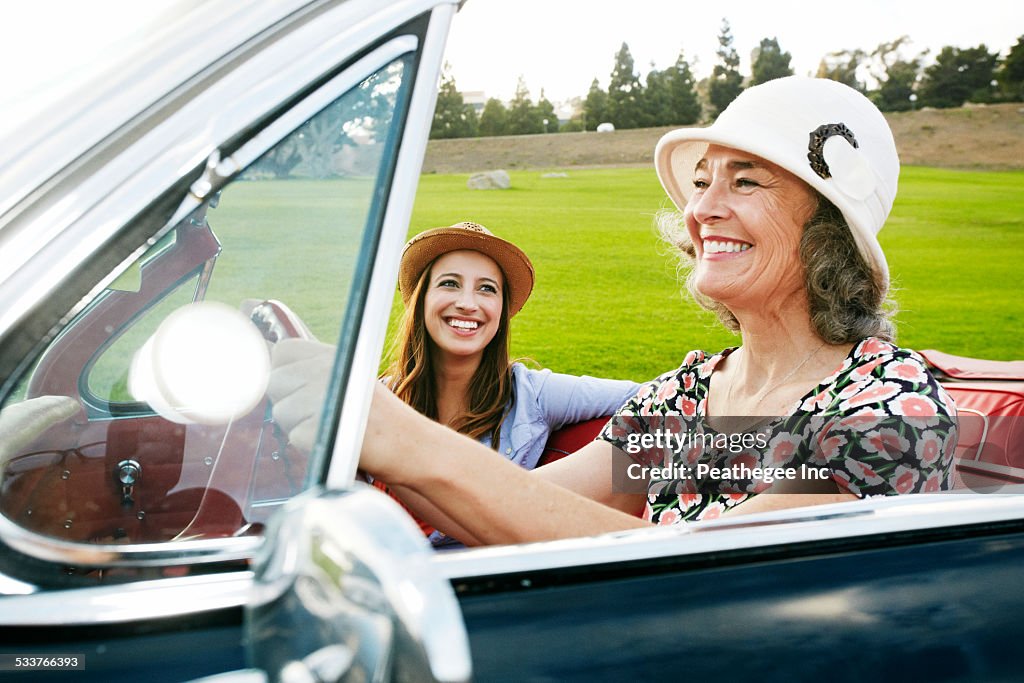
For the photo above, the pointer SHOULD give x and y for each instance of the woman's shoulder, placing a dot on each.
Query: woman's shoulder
(890, 379)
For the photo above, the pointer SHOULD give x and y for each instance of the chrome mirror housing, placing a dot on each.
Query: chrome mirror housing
(345, 591)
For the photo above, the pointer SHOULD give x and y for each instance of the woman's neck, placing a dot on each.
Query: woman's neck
(452, 376)
(772, 338)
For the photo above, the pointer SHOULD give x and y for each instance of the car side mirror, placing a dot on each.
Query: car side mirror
(345, 591)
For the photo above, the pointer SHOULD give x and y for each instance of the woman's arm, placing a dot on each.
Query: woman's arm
(491, 499)
(565, 399)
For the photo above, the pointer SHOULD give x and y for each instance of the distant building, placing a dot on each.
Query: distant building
(475, 99)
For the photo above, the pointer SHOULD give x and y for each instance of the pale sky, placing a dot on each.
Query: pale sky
(562, 45)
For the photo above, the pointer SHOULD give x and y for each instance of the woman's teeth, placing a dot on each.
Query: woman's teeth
(713, 247)
(464, 324)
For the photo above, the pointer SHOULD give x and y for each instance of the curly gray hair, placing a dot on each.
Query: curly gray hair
(846, 301)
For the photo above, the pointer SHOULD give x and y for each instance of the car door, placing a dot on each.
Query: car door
(260, 167)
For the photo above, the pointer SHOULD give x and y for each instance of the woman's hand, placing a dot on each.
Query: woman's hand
(300, 371)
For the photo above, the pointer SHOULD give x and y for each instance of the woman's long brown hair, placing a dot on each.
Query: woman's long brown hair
(411, 372)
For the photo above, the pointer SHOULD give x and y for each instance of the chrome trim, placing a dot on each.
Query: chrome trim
(370, 344)
(239, 676)
(345, 590)
(12, 586)
(129, 602)
(866, 517)
(984, 431)
(198, 551)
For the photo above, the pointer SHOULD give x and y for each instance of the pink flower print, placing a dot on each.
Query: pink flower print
(928, 448)
(687, 407)
(689, 500)
(862, 471)
(913, 405)
(783, 447)
(669, 516)
(842, 480)
(864, 371)
(909, 371)
(886, 442)
(668, 389)
(712, 511)
(831, 445)
(903, 479)
(875, 393)
(874, 347)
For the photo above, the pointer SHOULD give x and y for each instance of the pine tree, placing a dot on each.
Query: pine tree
(1011, 73)
(453, 118)
(523, 117)
(624, 91)
(958, 76)
(547, 115)
(684, 104)
(494, 118)
(656, 105)
(768, 62)
(726, 82)
(595, 107)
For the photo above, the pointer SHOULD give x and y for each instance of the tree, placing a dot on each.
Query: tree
(842, 66)
(726, 82)
(769, 62)
(958, 76)
(494, 118)
(523, 117)
(683, 102)
(547, 115)
(624, 92)
(453, 118)
(655, 106)
(896, 76)
(1011, 74)
(595, 107)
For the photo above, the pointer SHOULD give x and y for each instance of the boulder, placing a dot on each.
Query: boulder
(489, 180)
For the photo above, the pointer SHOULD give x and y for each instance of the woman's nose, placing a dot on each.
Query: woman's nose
(710, 205)
(466, 300)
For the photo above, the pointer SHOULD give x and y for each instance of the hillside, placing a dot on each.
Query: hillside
(978, 137)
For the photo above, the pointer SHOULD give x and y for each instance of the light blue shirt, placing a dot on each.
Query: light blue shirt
(544, 401)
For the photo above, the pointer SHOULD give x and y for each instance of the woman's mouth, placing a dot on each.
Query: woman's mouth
(462, 326)
(718, 246)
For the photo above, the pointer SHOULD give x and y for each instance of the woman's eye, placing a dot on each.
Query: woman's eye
(448, 283)
(490, 289)
(700, 184)
(747, 182)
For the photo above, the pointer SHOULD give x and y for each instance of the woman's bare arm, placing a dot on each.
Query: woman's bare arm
(491, 499)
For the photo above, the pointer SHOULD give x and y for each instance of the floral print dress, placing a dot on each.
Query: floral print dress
(880, 424)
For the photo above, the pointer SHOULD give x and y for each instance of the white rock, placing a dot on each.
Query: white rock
(489, 180)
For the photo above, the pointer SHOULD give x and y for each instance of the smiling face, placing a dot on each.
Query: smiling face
(745, 218)
(462, 305)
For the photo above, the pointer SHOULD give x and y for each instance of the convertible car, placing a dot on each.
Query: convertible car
(155, 522)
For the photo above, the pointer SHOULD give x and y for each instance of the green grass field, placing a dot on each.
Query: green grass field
(607, 300)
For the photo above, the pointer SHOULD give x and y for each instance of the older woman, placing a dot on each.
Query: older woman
(782, 199)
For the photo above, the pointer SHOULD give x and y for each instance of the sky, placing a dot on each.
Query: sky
(562, 45)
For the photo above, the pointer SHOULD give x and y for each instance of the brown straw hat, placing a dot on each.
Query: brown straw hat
(422, 249)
